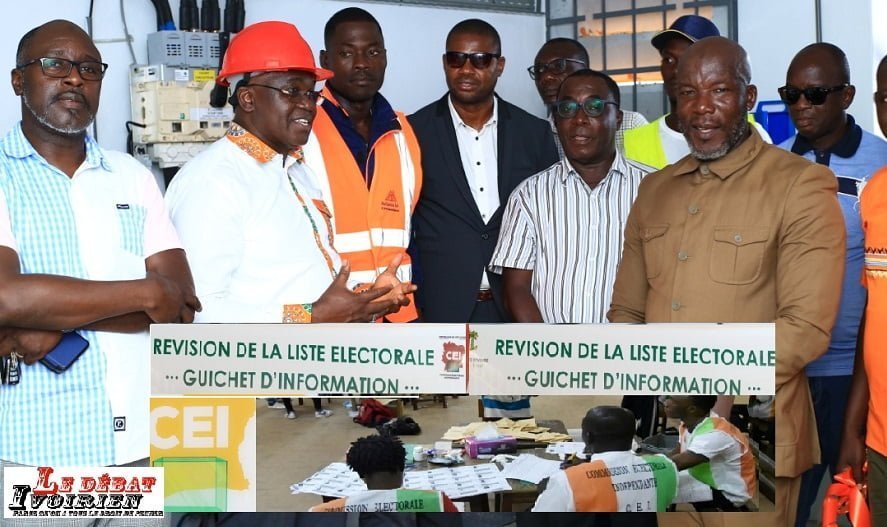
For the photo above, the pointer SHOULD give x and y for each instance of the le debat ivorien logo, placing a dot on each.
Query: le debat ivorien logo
(82, 494)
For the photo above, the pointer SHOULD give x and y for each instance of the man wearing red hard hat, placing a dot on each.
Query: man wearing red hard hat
(252, 221)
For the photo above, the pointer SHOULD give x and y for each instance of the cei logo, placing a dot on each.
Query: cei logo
(453, 357)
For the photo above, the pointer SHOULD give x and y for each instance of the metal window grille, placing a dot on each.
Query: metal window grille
(514, 6)
(617, 35)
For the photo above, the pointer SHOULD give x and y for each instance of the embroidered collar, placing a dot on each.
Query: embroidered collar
(255, 147)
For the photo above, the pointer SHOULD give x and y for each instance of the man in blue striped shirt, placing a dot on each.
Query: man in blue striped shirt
(85, 244)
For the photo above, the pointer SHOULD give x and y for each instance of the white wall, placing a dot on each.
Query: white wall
(414, 37)
(773, 31)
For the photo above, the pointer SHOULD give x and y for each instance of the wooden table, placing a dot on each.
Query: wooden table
(522, 492)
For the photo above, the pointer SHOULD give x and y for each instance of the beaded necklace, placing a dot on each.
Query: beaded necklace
(326, 256)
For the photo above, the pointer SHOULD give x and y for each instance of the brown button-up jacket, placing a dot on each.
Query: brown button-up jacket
(756, 236)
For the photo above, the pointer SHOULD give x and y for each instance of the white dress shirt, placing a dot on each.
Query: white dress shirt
(249, 240)
(479, 152)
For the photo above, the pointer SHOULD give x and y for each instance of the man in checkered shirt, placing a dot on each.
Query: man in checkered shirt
(86, 245)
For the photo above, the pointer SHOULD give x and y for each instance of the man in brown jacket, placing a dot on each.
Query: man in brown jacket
(738, 231)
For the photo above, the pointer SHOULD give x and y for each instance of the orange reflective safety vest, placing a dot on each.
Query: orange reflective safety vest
(371, 226)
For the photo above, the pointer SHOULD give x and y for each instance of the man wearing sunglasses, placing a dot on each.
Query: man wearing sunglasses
(739, 231)
(817, 93)
(248, 209)
(85, 245)
(551, 272)
(556, 59)
(364, 154)
(476, 148)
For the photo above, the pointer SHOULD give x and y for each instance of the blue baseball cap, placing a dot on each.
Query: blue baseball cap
(691, 27)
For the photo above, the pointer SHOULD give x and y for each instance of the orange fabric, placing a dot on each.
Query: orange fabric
(844, 497)
(358, 209)
(592, 494)
(873, 209)
(748, 467)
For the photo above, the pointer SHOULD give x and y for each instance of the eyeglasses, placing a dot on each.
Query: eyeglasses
(60, 68)
(291, 93)
(592, 106)
(556, 66)
(815, 95)
(481, 61)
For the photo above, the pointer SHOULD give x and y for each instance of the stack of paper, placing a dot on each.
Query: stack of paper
(525, 429)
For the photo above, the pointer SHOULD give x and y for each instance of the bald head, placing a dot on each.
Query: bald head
(829, 58)
(718, 50)
(714, 96)
(58, 100)
(608, 428)
(52, 27)
(820, 72)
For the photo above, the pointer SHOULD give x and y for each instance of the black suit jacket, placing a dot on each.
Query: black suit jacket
(451, 242)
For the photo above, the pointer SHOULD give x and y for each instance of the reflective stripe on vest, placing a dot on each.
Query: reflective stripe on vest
(642, 484)
(371, 226)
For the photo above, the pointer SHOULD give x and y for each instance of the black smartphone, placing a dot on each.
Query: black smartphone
(68, 350)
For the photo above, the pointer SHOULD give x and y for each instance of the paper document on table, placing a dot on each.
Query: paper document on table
(691, 490)
(566, 448)
(335, 479)
(528, 467)
(458, 482)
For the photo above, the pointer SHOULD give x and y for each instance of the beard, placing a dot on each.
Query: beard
(45, 121)
(736, 135)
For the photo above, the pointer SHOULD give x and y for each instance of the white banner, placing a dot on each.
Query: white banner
(307, 359)
(539, 359)
(94, 492)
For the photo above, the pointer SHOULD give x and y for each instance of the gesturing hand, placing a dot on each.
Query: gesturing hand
(399, 290)
(340, 304)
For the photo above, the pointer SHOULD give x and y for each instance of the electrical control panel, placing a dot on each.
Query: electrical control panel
(170, 106)
(194, 49)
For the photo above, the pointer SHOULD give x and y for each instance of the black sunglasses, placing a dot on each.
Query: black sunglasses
(815, 95)
(556, 66)
(481, 61)
(291, 93)
(59, 68)
(592, 106)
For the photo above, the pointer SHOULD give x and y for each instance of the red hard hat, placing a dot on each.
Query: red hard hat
(269, 46)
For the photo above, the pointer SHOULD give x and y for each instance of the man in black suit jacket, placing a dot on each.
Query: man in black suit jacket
(476, 148)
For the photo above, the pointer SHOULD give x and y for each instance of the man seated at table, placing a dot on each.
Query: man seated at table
(615, 479)
(713, 452)
(380, 462)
